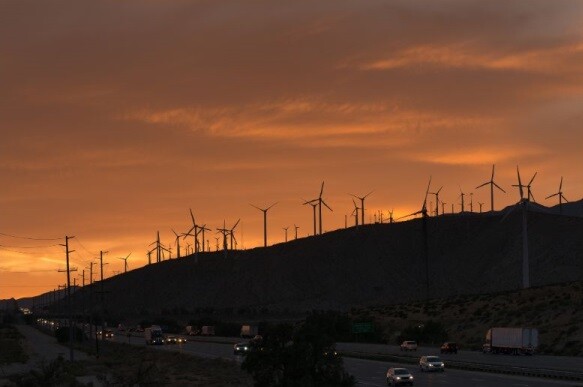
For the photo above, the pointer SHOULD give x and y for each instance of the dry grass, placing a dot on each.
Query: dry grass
(555, 310)
(128, 365)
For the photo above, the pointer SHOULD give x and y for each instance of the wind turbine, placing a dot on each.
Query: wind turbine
(462, 194)
(355, 213)
(481, 204)
(436, 200)
(361, 203)
(264, 210)
(232, 233)
(196, 230)
(314, 205)
(521, 187)
(560, 195)
(492, 185)
(443, 208)
(125, 261)
(391, 220)
(285, 229)
(177, 243)
(296, 229)
(523, 203)
(320, 202)
(225, 232)
(423, 212)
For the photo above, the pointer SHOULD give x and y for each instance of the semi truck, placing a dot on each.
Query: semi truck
(515, 341)
(249, 331)
(207, 330)
(153, 335)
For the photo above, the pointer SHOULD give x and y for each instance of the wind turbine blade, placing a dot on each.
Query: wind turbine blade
(252, 205)
(321, 190)
(530, 195)
(426, 193)
(550, 196)
(492, 179)
(497, 186)
(235, 224)
(367, 194)
(561, 184)
(174, 232)
(564, 198)
(128, 255)
(192, 216)
(412, 214)
(530, 182)
(481, 185)
(437, 193)
(519, 183)
(324, 203)
(353, 202)
(267, 209)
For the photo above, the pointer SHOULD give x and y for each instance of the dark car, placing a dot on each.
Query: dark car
(449, 347)
(243, 348)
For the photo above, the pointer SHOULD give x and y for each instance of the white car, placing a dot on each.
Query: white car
(431, 363)
(399, 376)
(409, 345)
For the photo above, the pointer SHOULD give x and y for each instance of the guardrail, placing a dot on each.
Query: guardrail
(472, 366)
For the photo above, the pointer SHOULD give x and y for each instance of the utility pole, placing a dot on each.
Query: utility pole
(71, 333)
(102, 295)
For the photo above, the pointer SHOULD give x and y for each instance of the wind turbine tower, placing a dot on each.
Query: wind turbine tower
(492, 185)
(264, 210)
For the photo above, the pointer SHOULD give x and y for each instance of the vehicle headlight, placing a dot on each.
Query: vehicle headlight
(398, 378)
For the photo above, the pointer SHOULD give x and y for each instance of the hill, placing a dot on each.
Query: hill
(377, 264)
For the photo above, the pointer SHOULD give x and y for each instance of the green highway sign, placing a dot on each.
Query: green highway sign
(363, 327)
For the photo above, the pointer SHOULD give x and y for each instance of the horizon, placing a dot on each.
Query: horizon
(118, 119)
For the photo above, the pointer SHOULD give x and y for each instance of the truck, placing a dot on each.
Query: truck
(249, 331)
(153, 335)
(207, 330)
(192, 331)
(515, 341)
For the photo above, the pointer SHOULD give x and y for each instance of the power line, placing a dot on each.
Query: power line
(29, 247)
(31, 238)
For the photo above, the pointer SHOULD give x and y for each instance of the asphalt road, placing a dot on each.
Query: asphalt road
(537, 361)
(372, 373)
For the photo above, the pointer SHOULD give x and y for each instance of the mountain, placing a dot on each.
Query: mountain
(376, 264)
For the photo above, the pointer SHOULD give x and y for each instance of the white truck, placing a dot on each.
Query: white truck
(249, 331)
(207, 330)
(153, 335)
(515, 341)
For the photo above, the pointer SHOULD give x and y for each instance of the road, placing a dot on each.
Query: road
(569, 363)
(372, 373)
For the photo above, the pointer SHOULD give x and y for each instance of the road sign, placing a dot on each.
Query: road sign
(363, 327)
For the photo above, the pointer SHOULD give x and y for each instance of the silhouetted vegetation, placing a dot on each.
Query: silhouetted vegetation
(300, 357)
(12, 351)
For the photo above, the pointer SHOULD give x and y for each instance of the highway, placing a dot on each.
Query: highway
(372, 373)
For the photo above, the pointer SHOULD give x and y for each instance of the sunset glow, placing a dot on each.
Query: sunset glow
(116, 118)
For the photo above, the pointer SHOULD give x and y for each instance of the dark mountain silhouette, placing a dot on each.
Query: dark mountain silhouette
(375, 264)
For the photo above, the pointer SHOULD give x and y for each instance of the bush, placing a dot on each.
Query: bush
(62, 334)
(304, 358)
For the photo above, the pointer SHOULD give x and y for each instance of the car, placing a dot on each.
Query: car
(409, 345)
(108, 334)
(399, 376)
(449, 347)
(431, 363)
(243, 348)
(174, 340)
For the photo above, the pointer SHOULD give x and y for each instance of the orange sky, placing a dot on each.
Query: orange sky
(116, 117)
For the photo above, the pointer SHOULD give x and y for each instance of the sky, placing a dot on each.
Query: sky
(117, 117)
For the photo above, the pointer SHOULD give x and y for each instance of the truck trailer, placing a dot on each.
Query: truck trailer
(153, 335)
(249, 331)
(515, 341)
